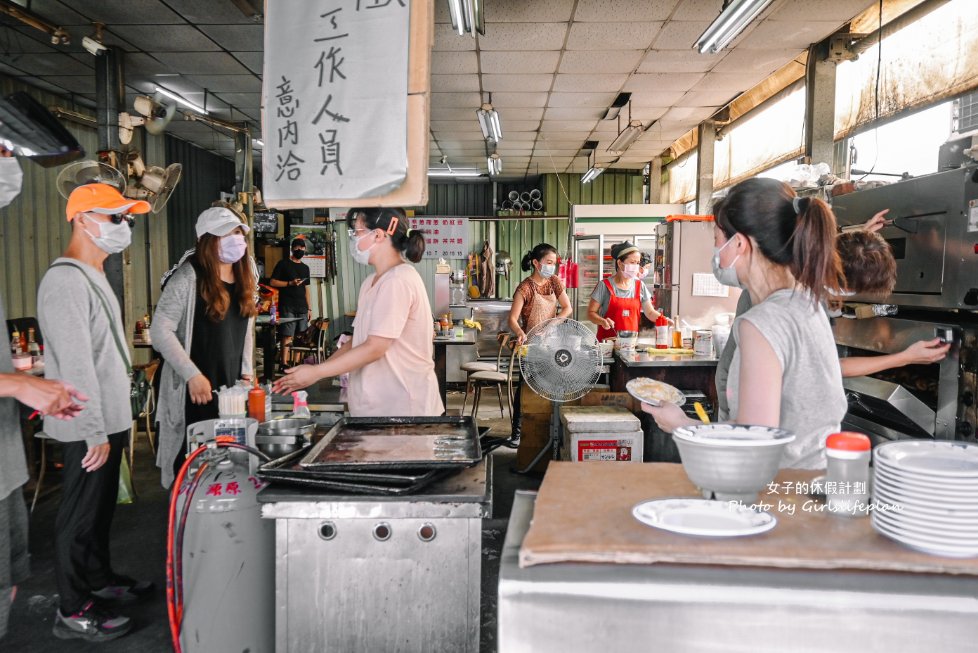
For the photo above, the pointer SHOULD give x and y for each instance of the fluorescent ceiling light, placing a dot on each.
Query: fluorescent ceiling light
(467, 16)
(736, 15)
(454, 172)
(593, 173)
(179, 100)
(489, 122)
(495, 164)
(626, 137)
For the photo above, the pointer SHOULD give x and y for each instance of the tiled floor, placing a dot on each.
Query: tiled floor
(139, 541)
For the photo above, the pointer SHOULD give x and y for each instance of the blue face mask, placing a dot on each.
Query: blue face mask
(547, 271)
(728, 275)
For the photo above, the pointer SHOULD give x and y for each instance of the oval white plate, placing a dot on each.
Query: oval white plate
(949, 459)
(946, 550)
(936, 486)
(703, 517)
(927, 532)
(673, 393)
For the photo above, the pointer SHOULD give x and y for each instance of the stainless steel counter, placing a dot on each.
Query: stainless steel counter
(712, 609)
(368, 573)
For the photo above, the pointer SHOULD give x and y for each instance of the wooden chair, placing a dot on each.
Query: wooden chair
(318, 350)
(485, 378)
(478, 366)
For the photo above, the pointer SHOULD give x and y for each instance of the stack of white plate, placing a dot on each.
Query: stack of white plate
(925, 495)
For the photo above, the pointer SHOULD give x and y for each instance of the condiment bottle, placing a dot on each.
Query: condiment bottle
(677, 334)
(300, 404)
(256, 402)
(32, 347)
(23, 342)
(661, 332)
(847, 475)
(15, 343)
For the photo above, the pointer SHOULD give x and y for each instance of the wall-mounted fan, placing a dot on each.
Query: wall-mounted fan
(80, 173)
(155, 115)
(151, 183)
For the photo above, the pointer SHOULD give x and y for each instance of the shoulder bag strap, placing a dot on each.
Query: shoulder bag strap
(105, 306)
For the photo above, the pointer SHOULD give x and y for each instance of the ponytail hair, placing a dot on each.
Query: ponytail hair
(410, 242)
(794, 232)
(536, 254)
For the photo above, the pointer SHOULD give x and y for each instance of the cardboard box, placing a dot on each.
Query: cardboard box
(620, 399)
(534, 436)
(532, 403)
(593, 447)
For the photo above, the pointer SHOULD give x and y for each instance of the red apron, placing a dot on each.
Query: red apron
(626, 313)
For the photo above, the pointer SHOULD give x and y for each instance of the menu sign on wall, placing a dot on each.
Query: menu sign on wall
(443, 237)
(335, 99)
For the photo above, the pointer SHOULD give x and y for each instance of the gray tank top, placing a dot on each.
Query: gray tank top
(813, 402)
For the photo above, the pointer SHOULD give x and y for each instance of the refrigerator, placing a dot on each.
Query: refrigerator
(597, 228)
(687, 286)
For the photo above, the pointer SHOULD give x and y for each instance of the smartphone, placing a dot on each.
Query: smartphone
(945, 334)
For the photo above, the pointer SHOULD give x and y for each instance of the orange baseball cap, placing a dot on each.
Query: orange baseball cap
(103, 199)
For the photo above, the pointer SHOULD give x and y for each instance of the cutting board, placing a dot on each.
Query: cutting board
(583, 513)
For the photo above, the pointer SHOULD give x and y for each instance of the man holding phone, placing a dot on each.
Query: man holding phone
(291, 277)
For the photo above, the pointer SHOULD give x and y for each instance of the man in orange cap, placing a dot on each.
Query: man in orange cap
(82, 325)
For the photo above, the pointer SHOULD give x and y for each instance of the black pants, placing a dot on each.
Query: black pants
(81, 538)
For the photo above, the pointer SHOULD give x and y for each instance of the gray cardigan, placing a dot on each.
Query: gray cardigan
(80, 349)
(171, 331)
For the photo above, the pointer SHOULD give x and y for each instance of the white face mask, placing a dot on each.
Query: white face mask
(547, 270)
(728, 275)
(630, 270)
(11, 178)
(644, 272)
(361, 256)
(114, 238)
(231, 248)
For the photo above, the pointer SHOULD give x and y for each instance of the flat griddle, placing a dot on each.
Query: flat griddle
(396, 443)
(287, 468)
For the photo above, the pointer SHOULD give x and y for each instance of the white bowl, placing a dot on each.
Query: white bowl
(731, 462)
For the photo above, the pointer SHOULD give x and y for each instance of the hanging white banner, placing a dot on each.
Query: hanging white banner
(334, 117)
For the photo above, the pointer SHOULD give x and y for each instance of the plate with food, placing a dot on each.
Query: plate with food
(654, 392)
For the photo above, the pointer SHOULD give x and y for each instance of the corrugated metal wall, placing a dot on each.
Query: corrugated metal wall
(612, 187)
(518, 236)
(205, 176)
(33, 229)
(465, 198)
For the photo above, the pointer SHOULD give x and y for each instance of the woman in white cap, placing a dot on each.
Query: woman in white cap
(203, 328)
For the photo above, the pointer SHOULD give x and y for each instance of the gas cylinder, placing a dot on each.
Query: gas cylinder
(228, 561)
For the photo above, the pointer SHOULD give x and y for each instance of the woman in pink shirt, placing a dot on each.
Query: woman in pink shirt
(390, 359)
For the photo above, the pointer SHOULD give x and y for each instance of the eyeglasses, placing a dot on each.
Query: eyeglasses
(355, 234)
(119, 218)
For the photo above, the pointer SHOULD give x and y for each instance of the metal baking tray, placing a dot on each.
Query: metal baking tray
(396, 443)
(359, 488)
(288, 468)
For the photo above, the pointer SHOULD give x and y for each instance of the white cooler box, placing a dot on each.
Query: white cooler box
(601, 433)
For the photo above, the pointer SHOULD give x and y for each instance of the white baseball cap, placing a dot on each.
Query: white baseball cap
(219, 221)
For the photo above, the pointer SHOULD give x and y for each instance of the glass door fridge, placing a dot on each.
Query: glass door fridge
(588, 253)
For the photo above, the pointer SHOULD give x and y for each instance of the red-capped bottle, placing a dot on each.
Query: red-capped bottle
(662, 332)
(256, 402)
